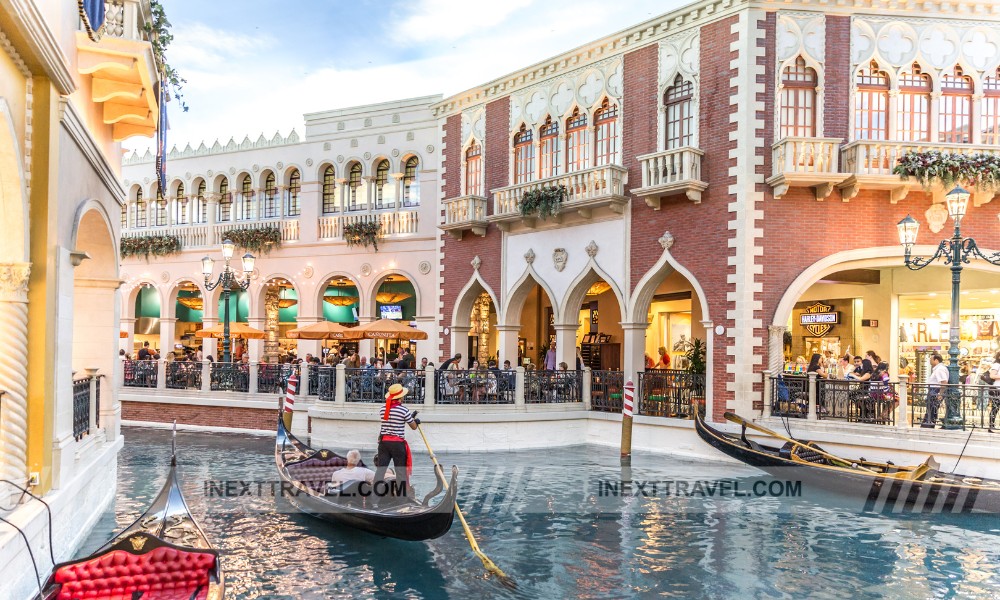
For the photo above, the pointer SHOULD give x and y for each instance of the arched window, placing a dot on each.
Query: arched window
(200, 208)
(524, 156)
(549, 151)
(140, 209)
(381, 179)
(871, 104)
(606, 129)
(160, 208)
(678, 103)
(294, 187)
(355, 201)
(245, 206)
(225, 201)
(577, 142)
(955, 108)
(125, 216)
(411, 187)
(798, 101)
(990, 125)
(474, 170)
(329, 191)
(913, 114)
(272, 209)
(181, 205)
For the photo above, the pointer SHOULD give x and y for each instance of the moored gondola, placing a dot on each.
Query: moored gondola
(306, 473)
(882, 487)
(163, 555)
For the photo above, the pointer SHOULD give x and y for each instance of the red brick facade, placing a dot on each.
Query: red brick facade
(206, 416)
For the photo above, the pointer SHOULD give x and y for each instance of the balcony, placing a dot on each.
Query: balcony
(465, 213)
(806, 162)
(122, 69)
(869, 163)
(586, 191)
(670, 173)
(395, 224)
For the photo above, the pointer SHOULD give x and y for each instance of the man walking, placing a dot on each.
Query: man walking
(936, 390)
(550, 357)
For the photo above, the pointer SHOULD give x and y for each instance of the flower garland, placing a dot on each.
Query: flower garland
(158, 29)
(542, 202)
(256, 239)
(978, 171)
(363, 233)
(146, 245)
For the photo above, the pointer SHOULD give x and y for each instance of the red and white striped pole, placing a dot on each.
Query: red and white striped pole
(628, 405)
(290, 389)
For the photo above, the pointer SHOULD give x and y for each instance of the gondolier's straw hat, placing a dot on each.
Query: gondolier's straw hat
(396, 393)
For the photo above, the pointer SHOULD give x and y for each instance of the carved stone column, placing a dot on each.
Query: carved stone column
(14, 370)
(271, 309)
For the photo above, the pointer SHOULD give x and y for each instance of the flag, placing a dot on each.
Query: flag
(92, 15)
(161, 139)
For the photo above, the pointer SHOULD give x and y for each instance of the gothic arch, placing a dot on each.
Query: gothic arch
(642, 297)
(514, 302)
(591, 273)
(467, 297)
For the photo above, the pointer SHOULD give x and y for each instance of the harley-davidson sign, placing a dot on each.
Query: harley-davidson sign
(819, 318)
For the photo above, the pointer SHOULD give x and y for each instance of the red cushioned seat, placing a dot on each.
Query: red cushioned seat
(163, 573)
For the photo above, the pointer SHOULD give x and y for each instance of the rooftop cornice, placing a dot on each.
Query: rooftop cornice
(390, 106)
(45, 52)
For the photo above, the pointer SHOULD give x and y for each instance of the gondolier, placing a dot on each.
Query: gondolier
(392, 444)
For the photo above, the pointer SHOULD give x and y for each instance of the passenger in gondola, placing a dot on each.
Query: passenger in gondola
(392, 446)
(352, 472)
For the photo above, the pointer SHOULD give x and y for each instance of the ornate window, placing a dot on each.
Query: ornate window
(354, 202)
(913, 113)
(181, 205)
(955, 108)
(990, 124)
(140, 209)
(549, 148)
(160, 208)
(606, 128)
(524, 156)
(381, 179)
(678, 102)
(474, 170)
(798, 101)
(577, 142)
(200, 207)
(294, 187)
(329, 190)
(245, 207)
(411, 187)
(125, 216)
(225, 201)
(871, 104)
(272, 208)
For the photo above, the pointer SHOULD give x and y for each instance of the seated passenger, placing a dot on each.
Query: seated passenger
(352, 472)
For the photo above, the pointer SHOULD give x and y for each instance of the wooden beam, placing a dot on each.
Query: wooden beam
(103, 90)
(115, 112)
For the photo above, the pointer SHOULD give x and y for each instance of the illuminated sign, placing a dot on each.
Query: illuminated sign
(831, 318)
(818, 318)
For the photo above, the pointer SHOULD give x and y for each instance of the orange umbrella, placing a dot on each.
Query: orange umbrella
(123, 334)
(241, 330)
(387, 329)
(324, 330)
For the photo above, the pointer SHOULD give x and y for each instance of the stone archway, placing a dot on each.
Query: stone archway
(474, 294)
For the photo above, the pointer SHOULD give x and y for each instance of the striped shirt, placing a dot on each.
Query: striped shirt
(399, 415)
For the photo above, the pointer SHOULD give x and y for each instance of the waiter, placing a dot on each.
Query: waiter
(391, 441)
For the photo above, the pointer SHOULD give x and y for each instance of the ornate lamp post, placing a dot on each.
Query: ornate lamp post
(227, 278)
(955, 251)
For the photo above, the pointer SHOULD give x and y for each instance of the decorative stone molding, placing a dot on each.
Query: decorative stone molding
(559, 258)
(424, 267)
(474, 123)
(937, 216)
(666, 240)
(368, 155)
(583, 86)
(800, 34)
(13, 370)
(395, 152)
(308, 271)
(165, 276)
(529, 256)
(309, 162)
(366, 270)
(591, 249)
(14, 282)
(679, 54)
(476, 263)
(430, 149)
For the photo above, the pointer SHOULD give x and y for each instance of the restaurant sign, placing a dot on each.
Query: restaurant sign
(819, 318)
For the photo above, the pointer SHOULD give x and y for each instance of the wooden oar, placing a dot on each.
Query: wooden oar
(741, 421)
(487, 563)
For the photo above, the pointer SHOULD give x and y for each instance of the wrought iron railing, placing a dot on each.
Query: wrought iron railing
(326, 382)
(230, 377)
(272, 378)
(790, 396)
(856, 401)
(669, 392)
(183, 375)
(928, 403)
(140, 373)
(371, 385)
(553, 387)
(97, 401)
(607, 389)
(481, 386)
(313, 375)
(81, 407)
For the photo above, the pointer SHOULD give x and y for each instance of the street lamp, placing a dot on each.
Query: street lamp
(227, 279)
(955, 251)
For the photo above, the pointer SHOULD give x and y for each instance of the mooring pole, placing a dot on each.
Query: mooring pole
(627, 407)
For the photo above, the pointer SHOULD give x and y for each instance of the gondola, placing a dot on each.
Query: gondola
(163, 555)
(305, 473)
(883, 487)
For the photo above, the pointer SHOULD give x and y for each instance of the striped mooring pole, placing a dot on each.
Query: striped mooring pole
(627, 408)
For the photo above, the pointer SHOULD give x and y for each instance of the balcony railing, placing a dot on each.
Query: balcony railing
(399, 223)
(671, 172)
(457, 386)
(183, 375)
(371, 385)
(125, 18)
(81, 407)
(140, 373)
(553, 387)
(607, 389)
(289, 229)
(806, 162)
(465, 213)
(669, 392)
(585, 191)
(230, 377)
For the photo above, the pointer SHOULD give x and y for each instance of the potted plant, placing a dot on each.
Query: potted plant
(542, 202)
(147, 245)
(363, 233)
(696, 367)
(979, 171)
(259, 240)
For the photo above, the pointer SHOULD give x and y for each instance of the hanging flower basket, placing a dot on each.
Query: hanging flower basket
(978, 171)
(149, 245)
(259, 240)
(542, 202)
(363, 233)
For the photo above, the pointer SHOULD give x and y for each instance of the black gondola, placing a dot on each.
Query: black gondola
(163, 555)
(884, 487)
(307, 472)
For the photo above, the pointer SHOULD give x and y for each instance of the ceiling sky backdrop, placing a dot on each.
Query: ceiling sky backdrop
(255, 66)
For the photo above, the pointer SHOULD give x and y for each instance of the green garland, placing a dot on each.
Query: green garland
(363, 233)
(160, 37)
(260, 240)
(979, 171)
(146, 245)
(542, 202)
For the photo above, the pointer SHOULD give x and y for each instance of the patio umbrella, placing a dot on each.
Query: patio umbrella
(123, 334)
(241, 330)
(324, 330)
(387, 329)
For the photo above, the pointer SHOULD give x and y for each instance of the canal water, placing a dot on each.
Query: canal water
(563, 524)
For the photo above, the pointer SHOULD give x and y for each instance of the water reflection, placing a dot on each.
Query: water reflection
(540, 516)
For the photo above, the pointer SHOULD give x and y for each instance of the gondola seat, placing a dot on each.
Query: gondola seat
(316, 472)
(164, 572)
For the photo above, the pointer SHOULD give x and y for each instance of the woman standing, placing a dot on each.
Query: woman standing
(664, 362)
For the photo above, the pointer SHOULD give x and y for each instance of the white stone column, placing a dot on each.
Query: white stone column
(430, 386)
(507, 343)
(709, 368)
(254, 370)
(206, 376)
(566, 344)
(14, 370)
(255, 347)
(586, 388)
(310, 211)
(902, 420)
(634, 349)
(340, 386)
(128, 326)
(460, 343)
(167, 328)
(519, 386)
(813, 389)
(776, 349)
(92, 421)
(210, 346)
